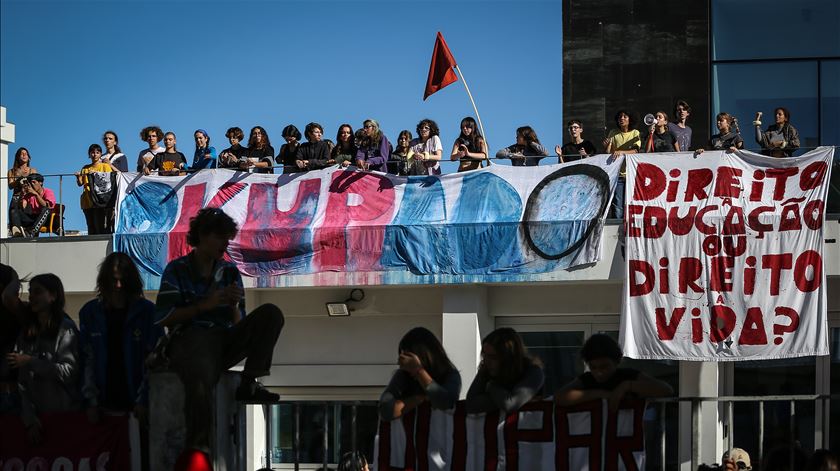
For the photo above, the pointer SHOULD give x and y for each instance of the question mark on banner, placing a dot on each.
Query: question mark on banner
(782, 329)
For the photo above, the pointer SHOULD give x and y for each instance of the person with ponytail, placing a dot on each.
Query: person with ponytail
(113, 154)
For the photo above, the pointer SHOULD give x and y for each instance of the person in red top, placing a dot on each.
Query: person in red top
(30, 212)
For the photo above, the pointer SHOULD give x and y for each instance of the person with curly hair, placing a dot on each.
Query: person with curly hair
(427, 148)
(153, 135)
(236, 153)
(260, 152)
(202, 296)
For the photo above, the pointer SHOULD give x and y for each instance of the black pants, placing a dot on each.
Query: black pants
(24, 219)
(199, 356)
(98, 221)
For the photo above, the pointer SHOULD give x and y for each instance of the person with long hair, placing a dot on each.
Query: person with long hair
(170, 162)
(205, 154)
(10, 324)
(425, 374)
(344, 152)
(260, 152)
(288, 151)
(427, 148)
(527, 151)
(576, 149)
(46, 353)
(781, 138)
(728, 137)
(402, 160)
(153, 135)
(507, 378)
(201, 294)
(375, 149)
(314, 154)
(113, 155)
(236, 153)
(661, 138)
(605, 380)
(22, 167)
(469, 148)
(97, 219)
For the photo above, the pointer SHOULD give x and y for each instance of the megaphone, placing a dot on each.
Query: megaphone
(650, 119)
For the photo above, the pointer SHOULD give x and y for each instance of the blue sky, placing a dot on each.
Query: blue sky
(69, 70)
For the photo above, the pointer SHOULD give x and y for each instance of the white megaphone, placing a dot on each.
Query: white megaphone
(650, 119)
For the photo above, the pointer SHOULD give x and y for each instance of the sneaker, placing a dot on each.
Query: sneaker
(255, 392)
(17, 231)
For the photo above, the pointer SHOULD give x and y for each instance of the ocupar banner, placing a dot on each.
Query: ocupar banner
(343, 226)
(540, 437)
(68, 442)
(725, 256)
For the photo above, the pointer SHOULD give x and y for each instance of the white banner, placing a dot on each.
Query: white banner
(539, 437)
(724, 256)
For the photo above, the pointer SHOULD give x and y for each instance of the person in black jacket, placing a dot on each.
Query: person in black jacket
(315, 153)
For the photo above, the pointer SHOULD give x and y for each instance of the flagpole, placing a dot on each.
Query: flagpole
(476, 111)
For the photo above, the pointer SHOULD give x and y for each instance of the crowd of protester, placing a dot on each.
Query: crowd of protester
(368, 149)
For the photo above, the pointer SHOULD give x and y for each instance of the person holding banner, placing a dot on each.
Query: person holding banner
(201, 299)
(727, 138)
(605, 380)
(508, 377)
(425, 374)
(97, 219)
(469, 148)
(46, 354)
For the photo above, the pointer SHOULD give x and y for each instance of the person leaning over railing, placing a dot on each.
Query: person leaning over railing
(153, 135)
(402, 157)
(260, 153)
(375, 149)
(30, 211)
(727, 138)
(113, 154)
(288, 151)
(234, 155)
(661, 138)
(527, 151)
(205, 154)
(46, 353)
(344, 152)
(170, 162)
(427, 147)
(425, 374)
(605, 380)
(576, 149)
(469, 149)
(781, 138)
(97, 218)
(508, 377)
(314, 154)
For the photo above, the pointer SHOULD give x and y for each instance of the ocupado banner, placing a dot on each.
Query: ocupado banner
(344, 226)
(725, 256)
(540, 437)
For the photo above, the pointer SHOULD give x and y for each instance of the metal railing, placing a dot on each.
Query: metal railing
(698, 435)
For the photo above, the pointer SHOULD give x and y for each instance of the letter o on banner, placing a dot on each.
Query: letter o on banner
(560, 196)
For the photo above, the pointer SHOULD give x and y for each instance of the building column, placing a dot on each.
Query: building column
(7, 136)
(700, 379)
(465, 321)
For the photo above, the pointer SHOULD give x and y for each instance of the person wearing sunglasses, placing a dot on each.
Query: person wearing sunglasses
(576, 149)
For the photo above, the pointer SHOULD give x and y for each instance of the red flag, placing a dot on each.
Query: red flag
(440, 70)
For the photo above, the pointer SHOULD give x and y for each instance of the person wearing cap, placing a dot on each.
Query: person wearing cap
(205, 154)
(30, 212)
(736, 459)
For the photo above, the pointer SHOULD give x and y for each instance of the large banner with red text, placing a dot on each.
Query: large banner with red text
(540, 437)
(68, 441)
(725, 256)
(348, 227)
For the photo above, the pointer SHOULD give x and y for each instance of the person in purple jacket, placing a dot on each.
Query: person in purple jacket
(375, 149)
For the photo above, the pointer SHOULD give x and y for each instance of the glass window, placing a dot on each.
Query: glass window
(744, 89)
(830, 102)
(774, 29)
(559, 352)
(834, 418)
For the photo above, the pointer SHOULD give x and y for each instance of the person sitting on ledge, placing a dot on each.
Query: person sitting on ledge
(201, 297)
(30, 212)
(605, 380)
